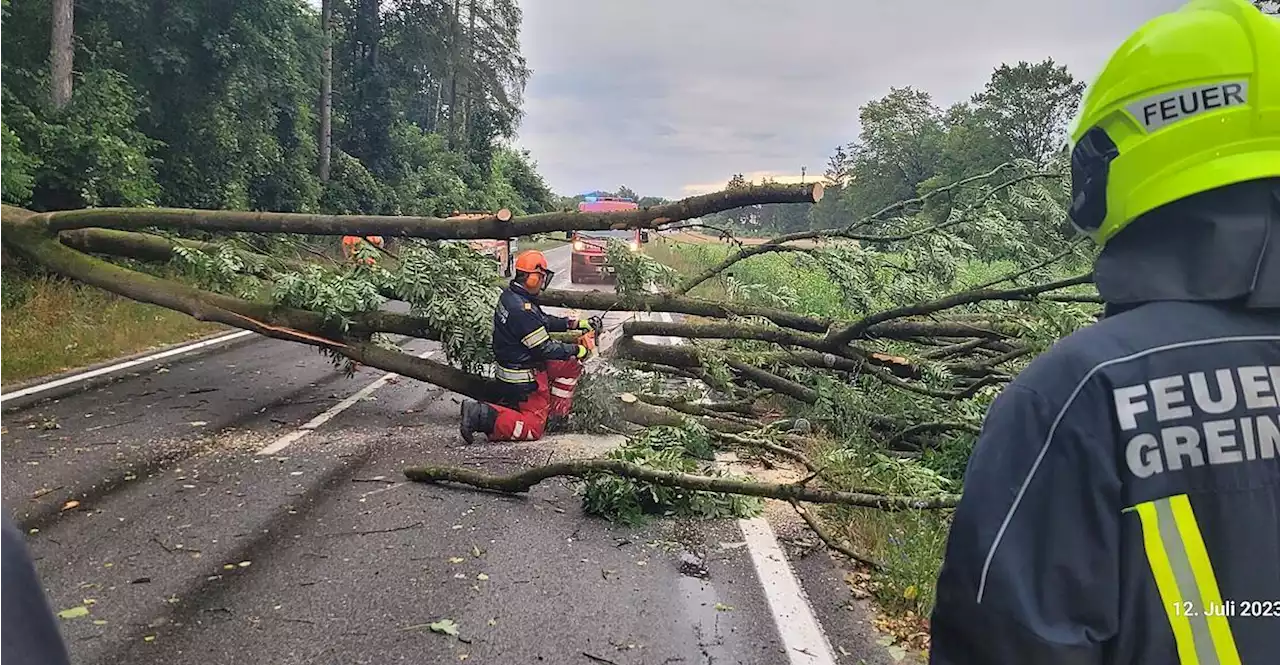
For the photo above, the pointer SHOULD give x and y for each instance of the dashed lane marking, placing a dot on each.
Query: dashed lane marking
(311, 425)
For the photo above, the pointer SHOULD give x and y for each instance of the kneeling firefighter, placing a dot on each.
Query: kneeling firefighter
(538, 374)
(1122, 502)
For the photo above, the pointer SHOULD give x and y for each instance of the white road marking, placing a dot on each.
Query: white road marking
(309, 426)
(101, 371)
(802, 635)
(666, 317)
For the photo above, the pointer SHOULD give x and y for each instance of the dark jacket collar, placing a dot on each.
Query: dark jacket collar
(1219, 246)
(519, 289)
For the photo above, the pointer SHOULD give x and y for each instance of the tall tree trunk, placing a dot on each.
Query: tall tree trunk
(326, 89)
(61, 52)
(466, 83)
(454, 56)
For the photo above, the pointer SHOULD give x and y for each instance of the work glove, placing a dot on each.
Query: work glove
(586, 344)
(582, 324)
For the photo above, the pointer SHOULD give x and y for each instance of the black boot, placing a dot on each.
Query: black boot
(476, 417)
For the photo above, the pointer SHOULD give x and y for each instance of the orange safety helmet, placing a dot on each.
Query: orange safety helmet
(532, 271)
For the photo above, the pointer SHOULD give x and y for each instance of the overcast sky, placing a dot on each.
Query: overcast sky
(672, 97)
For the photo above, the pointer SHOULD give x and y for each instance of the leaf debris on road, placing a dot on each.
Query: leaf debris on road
(74, 612)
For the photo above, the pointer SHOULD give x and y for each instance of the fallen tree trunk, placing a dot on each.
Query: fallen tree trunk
(524, 480)
(433, 228)
(662, 302)
(294, 325)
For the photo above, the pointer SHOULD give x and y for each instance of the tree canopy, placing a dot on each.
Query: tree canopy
(908, 145)
(210, 104)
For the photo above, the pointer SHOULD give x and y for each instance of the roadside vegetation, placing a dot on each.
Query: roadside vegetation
(51, 324)
(925, 207)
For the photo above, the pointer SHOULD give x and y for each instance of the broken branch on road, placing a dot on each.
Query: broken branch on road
(523, 481)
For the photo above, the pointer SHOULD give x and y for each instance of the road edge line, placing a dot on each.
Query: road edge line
(82, 376)
(802, 634)
(798, 625)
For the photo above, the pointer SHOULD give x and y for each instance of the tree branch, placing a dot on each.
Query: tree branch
(830, 540)
(522, 481)
(966, 393)
(930, 428)
(778, 244)
(831, 354)
(664, 302)
(857, 329)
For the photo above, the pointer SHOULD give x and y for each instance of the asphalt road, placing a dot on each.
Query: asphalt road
(186, 542)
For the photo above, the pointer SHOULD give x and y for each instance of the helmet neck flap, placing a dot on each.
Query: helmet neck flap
(1222, 245)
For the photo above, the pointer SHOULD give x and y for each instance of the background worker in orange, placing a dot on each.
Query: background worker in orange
(538, 374)
(349, 244)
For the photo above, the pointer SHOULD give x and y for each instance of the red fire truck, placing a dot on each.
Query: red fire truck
(588, 262)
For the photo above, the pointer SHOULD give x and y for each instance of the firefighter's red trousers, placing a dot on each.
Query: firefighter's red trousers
(554, 397)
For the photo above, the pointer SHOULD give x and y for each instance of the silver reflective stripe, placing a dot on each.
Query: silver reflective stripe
(1188, 589)
(560, 392)
(536, 338)
(514, 375)
(519, 429)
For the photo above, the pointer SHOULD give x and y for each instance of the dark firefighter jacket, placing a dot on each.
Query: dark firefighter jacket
(1122, 503)
(522, 339)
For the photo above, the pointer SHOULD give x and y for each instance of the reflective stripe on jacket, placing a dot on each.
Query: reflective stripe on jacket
(522, 336)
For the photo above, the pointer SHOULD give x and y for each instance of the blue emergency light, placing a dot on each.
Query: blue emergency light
(592, 198)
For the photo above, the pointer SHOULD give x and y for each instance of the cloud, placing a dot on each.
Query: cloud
(661, 95)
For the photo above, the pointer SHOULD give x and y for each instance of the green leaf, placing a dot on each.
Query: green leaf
(74, 612)
(445, 627)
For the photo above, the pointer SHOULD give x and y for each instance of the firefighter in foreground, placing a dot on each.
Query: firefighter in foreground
(1122, 504)
(538, 373)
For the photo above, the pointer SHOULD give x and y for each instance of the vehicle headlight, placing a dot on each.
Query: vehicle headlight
(578, 245)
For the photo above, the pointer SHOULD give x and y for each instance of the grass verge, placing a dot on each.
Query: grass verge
(49, 325)
(540, 242)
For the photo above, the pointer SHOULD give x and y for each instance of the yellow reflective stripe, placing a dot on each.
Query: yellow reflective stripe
(1224, 643)
(536, 337)
(1184, 577)
(1165, 582)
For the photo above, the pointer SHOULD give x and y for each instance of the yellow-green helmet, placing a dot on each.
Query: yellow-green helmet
(1190, 102)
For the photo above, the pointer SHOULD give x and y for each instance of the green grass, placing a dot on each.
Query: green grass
(49, 325)
(540, 242)
(783, 279)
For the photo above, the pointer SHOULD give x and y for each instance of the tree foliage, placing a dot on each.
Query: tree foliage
(908, 145)
(210, 104)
